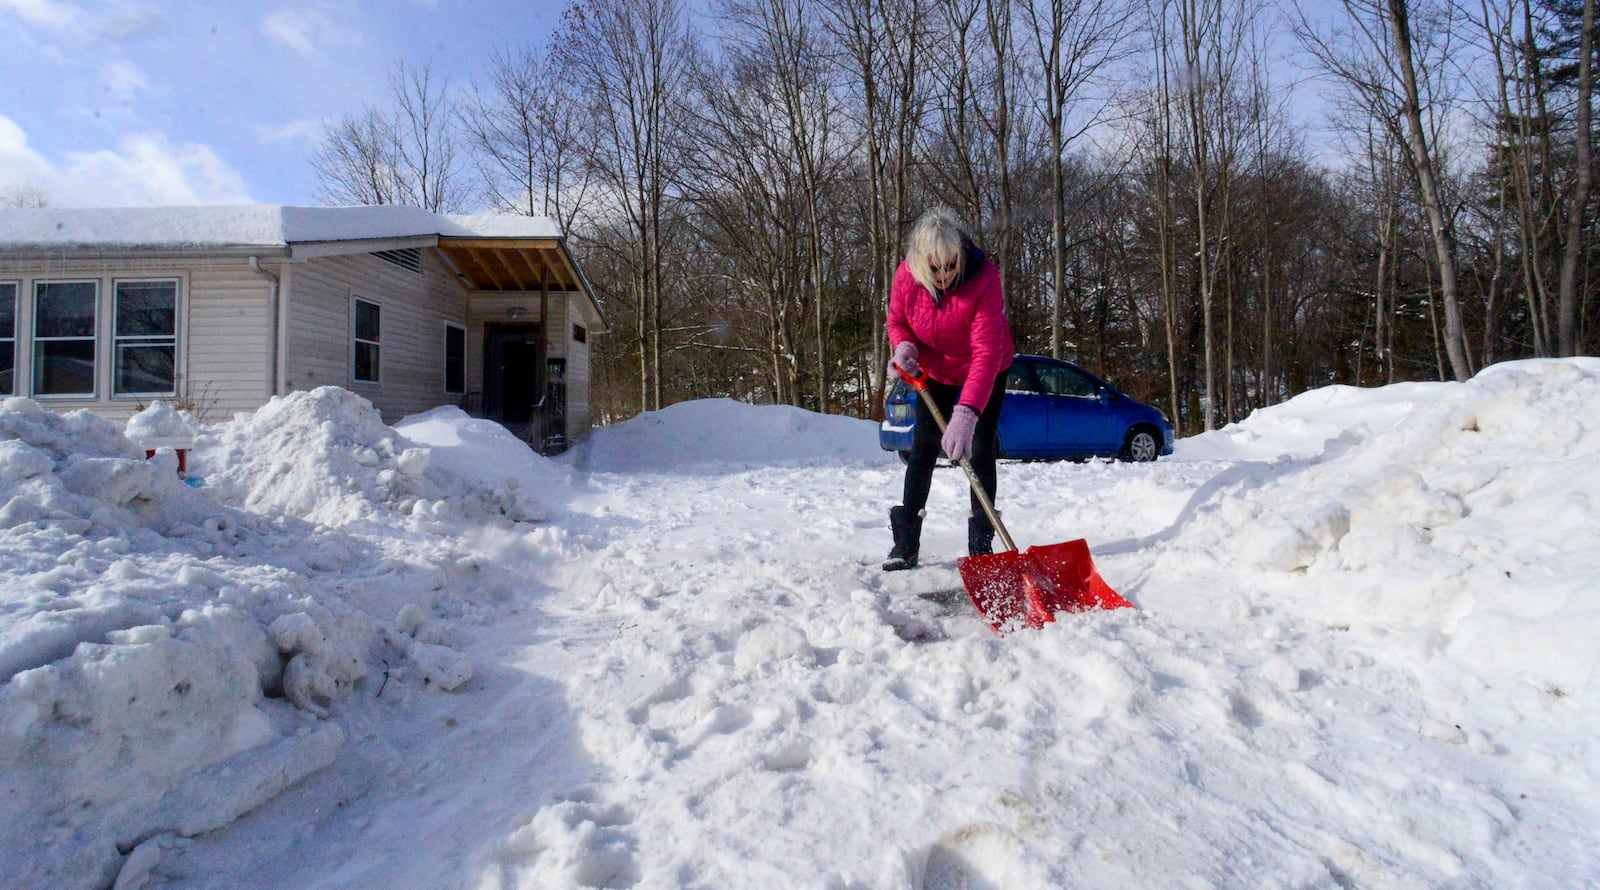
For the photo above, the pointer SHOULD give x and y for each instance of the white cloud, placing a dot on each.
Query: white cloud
(19, 164)
(290, 131)
(304, 31)
(148, 170)
(124, 80)
(128, 24)
(46, 13)
(118, 23)
(144, 170)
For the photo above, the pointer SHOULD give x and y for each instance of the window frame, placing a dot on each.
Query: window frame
(1049, 376)
(1020, 379)
(35, 341)
(9, 387)
(449, 328)
(119, 339)
(357, 342)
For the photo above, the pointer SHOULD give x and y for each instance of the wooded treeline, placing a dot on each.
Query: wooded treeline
(737, 183)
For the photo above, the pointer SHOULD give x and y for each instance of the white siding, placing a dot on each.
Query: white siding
(223, 331)
(414, 309)
(579, 419)
(226, 325)
(229, 338)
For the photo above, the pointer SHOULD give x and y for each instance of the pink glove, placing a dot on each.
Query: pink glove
(958, 434)
(904, 359)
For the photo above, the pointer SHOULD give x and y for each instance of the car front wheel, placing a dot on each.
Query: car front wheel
(1141, 445)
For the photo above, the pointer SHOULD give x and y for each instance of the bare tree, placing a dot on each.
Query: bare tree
(787, 35)
(403, 155)
(881, 48)
(630, 60)
(25, 197)
(1517, 102)
(356, 161)
(1211, 36)
(740, 176)
(1072, 41)
(1374, 54)
(429, 173)
(1567, 309)
(526, 129)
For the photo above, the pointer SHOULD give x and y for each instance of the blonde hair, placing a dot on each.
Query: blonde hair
(937, 232)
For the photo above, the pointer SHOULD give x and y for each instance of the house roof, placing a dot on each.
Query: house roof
(491, 252)
(253, 226)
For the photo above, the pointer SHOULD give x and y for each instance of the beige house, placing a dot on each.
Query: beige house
(221, 308)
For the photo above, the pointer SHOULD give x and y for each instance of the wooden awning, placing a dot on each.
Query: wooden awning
(499, 264)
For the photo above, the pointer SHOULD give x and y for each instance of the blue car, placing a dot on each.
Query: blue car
(1053, 410)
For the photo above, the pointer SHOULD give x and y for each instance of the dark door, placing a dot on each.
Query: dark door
(513, 366)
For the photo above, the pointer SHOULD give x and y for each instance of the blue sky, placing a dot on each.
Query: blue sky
(139, 103)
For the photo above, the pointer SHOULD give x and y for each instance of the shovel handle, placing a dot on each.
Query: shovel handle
(919, 382)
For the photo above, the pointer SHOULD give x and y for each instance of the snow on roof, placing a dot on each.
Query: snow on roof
(248, 226)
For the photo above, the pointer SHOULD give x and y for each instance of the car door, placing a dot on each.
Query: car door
(1079, 417)
(1025, 417)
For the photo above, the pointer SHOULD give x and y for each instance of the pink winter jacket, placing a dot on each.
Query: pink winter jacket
(964, 339)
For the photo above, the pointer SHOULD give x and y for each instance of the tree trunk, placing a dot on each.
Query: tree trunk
(1567, 300)
(1439, 227)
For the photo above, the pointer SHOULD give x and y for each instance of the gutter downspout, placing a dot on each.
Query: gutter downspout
(273, 387)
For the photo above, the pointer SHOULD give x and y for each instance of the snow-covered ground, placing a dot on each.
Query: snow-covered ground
(360, 656)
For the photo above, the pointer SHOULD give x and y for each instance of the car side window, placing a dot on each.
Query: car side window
(1018, 379)
(1067, 382)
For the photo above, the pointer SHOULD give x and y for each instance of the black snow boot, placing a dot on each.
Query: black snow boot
(980, 535)
(906, 524)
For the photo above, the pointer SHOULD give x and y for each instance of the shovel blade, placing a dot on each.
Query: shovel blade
(1026, 588)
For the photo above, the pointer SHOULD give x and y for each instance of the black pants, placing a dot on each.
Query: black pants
(925, 443)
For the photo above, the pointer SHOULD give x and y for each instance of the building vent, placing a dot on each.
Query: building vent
(406, 258)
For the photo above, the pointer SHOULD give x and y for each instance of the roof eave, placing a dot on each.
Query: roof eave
(309, 249)
(588, 289)
(96, 252)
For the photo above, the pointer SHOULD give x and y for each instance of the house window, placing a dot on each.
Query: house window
(364, 351)
(8, 338)
(63, 337)
(579, 335)
(455, 359)
(145, 340)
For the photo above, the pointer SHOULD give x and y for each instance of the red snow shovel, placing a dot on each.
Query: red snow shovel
(1016, 588)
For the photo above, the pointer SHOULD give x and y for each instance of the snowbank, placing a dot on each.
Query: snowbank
(1363, 654)
(327, 457)
(170, 655)
(727, 434)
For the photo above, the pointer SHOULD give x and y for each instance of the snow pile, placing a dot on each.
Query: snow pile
(1362, 654)
(457, 443)
(1462, 519)
(1408, 511)
(1304, 425)
(1332, 679)
(161, 421)
(327, 457)
(169, 660)
(698, 434)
